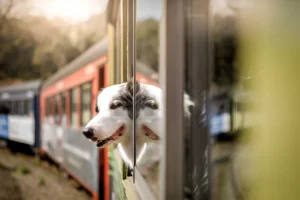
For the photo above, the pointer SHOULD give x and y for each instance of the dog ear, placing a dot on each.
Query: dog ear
(130, 87)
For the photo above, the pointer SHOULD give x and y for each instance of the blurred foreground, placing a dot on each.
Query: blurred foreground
(25, 177)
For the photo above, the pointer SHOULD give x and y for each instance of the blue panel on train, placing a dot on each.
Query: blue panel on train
(4, 126)
(216, 125)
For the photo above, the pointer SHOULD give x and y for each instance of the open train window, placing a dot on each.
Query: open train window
(63, 109)
(15, 107)
(73, 107)
(8, 106)
(57, 109)
(86, 100)
(26, 107)
(21, 107)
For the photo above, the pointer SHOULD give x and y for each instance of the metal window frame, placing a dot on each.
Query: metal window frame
(172, 63)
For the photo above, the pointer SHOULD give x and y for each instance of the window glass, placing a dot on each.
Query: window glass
(56, 109)
(50, 105)
(148, 20)
(13, 104)
(215, 99)
(8, 105)
(73, 110)
(86, 100)
(196, 185)
(228, 98)
(21, 108)
(63, 109)
(16, 108)
(26, 107)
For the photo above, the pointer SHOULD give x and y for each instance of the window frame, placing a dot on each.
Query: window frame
(172, 83)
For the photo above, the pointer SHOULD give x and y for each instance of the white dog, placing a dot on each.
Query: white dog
(114, 121)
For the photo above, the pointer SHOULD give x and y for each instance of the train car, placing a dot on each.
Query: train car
(20, 113)
(68, 100)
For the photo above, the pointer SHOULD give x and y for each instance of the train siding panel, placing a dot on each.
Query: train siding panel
(71, 149)
(21, 129)
(50, 140)
(4, 126)
(81, 157)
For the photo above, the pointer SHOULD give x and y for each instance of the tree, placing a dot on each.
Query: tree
(147, 42)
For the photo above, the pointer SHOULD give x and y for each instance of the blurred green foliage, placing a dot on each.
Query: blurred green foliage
(42, 180)
(23, 170)
(147, 42)
(33, 47)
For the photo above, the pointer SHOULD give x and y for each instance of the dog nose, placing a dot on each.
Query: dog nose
(88, 132)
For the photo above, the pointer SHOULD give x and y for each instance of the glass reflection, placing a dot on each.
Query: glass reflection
(148, 99)
(230, 98)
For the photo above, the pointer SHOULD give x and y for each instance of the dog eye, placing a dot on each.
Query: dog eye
(151, 104)
(97, 109)
(115, 104)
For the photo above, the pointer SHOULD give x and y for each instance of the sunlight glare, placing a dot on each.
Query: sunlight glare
(72, 11)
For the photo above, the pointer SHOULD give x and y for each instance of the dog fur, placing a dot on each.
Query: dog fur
(114, 122)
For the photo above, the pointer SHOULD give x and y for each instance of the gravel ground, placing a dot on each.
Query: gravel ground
(24, 177)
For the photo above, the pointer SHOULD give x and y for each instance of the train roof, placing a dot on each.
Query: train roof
(21, 91)
(94, 52)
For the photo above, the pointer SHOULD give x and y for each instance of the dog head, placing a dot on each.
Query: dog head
(114, 120)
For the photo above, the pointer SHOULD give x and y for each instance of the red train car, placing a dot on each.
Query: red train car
(67, 103)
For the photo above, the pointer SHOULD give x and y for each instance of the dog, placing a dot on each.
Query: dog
(113, 122)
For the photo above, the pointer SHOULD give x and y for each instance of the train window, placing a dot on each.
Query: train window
(51, 109)
(8, 105)
(16, 108)
(26, 107)
(86, 100)
(12, 105)
(63, 109)
(48, 107)
(21, 107)
(73, 105)
(148, 20)
(57, 109)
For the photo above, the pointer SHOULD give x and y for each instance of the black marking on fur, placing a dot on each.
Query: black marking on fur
(115, 104)
(97, 107)
(129, 86)
(125, 99)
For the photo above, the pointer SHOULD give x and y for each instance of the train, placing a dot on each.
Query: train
(19, 113)
(48, 116)
(188, 62)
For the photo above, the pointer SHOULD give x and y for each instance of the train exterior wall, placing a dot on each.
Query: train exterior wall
(4, 126)
(65, 144)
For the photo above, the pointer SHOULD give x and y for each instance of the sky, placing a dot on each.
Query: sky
(75, 11)
(149, 9)
(72, 11)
